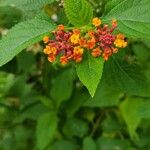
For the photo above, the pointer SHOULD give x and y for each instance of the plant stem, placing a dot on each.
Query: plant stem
(96, 124)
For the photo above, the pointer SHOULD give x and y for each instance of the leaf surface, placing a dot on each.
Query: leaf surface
(90, 72)
(132, 16)
(79, 12)
(21, 36)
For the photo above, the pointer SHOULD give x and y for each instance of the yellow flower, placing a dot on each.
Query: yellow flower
(46, 39)
(120, 41)
(75, 38)
(96, 22)
(77, 54)
(78, 50)
(50, 50)
(114, 22)
(47, 50)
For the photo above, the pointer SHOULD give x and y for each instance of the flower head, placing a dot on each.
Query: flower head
(120, 41)
(46, 39)
(50, 50)
(107, 53)
(96, 52)
(51, 58)
(75, 38)
(63, 60)
(114, 22)
(77, 54)
(83, 42)
(96, 22)
(61, 27)
(70, 45)
(90, 33)
(77, 58)
(78, 50)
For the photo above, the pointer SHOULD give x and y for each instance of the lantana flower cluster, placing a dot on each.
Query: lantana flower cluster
(70, 45)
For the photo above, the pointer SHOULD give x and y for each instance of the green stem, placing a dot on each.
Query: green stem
(97, 123)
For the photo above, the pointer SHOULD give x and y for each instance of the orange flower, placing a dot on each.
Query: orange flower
(63, 60)
(96, 52)
(51, 58)
(77, 54)
(115, 50)
(120, 36)
(96, 22)
(76, 31)
(107, 53)
(78, 50)
(61, 27)
(46, 39)
(82, 42)
(53, 50)
(120, 41)
(105, 56)
(114, 22)
(77, 58)
(91, 43)
(70, 45)
(90, 33)
(50, 50)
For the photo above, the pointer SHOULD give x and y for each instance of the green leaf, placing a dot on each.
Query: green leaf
(111, 125)
(129, 110)
(106, 95)
(31, 112)
(89, 72)
(21, 135)
(21, 36)
(79, 12)
(126, 77)
(10, 67)
(28, 6)
(89, 144)
(112, 144)
(130, 21)
(75, 127)
(9, 16)
(141, 51)
(46, 128)
(62, 86)
(133, 110)
(26, 59)
(77, 100)
(63, 145)
(6, 116)
(144, 110)
(46, 101)
(6, 81)
(20, 89)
